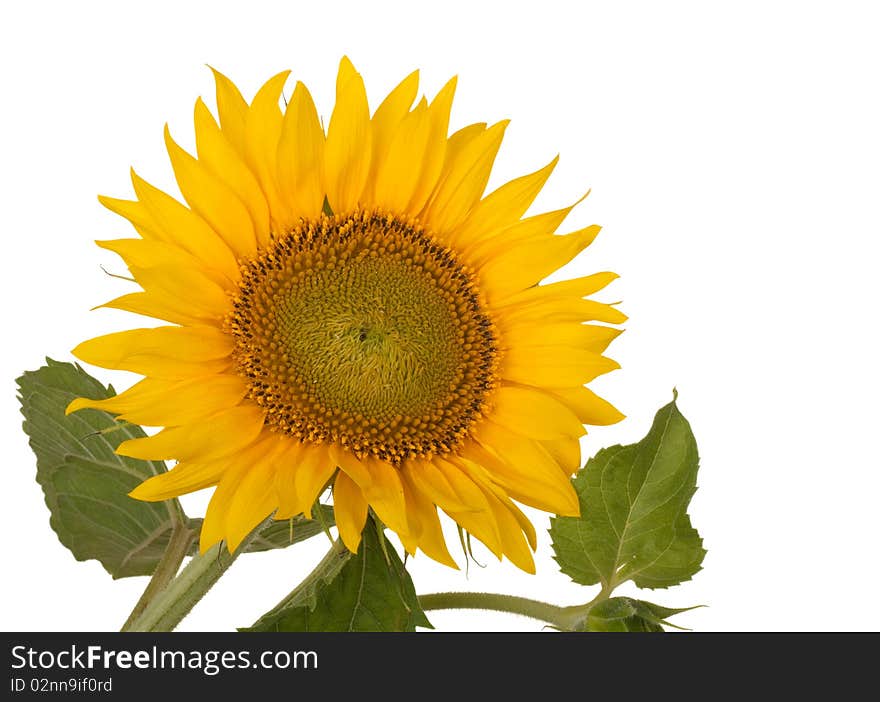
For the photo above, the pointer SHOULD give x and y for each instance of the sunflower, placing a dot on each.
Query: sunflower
(347, 310)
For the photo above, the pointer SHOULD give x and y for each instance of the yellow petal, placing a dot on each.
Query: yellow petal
(589, 337)
(479, 519)
(536, 228)
(558, 311)
(467, 494)
(566, 452)
(522, 467)
(350, 464)
(398, 175)
(253, 501)
(522, 520)
(430, 536)
(155, 402)
(385, 122)
(135, 213)
(503, 207)
(228, 513)
(300, 155)
(303, 470)
(410, 537)
(457, 142)
(145, 254)
(180, 480)
(463, 183)
(350, 509)
(514, 542)
(436, 148)
(494, 490)
(213, 200)
(262, 135)
(181, 226)
(481, 524)
(152, 305)
(576, 287)
(431, 482)
(554, 366)
(385, 495)
(232, 109)
(533, 413)
(347, 150)
(190, 288)
(224, 162)
(286, 466)
(525, 265)
(214, 525)
(314, 471)
(222, 434)
(166, 352)
(588, 406)
(393, 108)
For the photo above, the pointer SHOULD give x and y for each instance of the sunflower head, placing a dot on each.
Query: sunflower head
(347, 310)
(359, 331)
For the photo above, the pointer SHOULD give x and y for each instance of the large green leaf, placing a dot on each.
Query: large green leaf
(367, 591)
(627, 614)
(85, 483)
(633, 523)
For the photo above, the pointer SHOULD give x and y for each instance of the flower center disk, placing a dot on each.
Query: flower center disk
(362, 330)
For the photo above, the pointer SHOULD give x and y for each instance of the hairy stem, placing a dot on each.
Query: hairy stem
(178, 546)
(175, 601)
(566, 618)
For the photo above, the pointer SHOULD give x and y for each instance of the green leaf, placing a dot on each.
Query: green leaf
(634, 524)
(351, 592)
(676, 564)
(85, 483)
(626, 614)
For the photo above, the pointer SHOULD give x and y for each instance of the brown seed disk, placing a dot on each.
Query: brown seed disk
(362, 330)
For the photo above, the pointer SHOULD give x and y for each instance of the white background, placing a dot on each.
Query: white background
(733, 153)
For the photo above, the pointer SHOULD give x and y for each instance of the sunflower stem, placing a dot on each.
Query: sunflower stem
(178, 546)
(564, 618)
(168, 608)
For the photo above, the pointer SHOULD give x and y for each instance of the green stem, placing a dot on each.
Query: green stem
(560, 617)
(175, 601)
(178, 546)
(565, 618)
